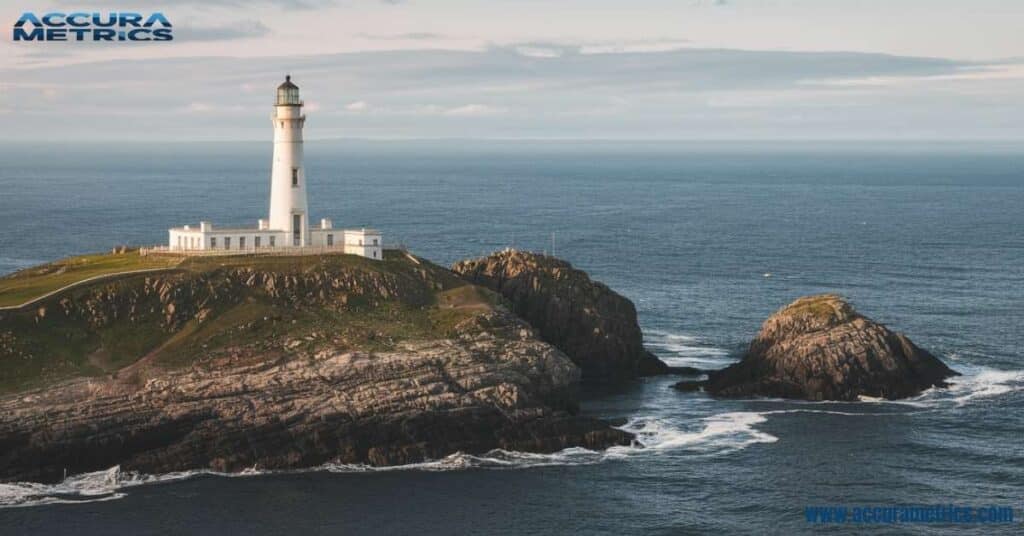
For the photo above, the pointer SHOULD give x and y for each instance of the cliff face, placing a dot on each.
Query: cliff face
(820, 348)
(280, 365)
(596, 327)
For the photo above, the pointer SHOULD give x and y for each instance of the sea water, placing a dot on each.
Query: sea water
(707, 239)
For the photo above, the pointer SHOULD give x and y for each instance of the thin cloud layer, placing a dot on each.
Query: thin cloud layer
(506, 92)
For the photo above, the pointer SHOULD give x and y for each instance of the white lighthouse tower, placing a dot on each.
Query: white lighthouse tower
(288, 207)
(288, 231)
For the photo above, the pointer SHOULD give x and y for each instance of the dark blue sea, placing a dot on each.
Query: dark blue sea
(707, 239)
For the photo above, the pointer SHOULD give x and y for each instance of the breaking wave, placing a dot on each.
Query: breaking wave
(721, 433)
(977, 383)
(112, 483)
(93, 487)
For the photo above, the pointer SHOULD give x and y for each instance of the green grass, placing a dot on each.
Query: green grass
(246, 323)
(822, 306)
(31, 283)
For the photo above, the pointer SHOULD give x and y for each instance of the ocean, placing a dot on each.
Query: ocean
(707, 239)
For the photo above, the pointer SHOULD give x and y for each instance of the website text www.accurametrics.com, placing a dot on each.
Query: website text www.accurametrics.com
(937, 514)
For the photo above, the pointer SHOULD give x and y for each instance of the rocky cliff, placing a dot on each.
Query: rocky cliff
(278, 362)
(820, 348)
(596, 327)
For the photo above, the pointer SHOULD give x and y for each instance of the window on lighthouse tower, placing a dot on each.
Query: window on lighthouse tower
(295, 177)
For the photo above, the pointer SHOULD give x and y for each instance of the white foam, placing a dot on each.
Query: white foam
(111, 483)
(87, 487)
(975, 383)
(495, 459)
(724, 432)
(984, 382)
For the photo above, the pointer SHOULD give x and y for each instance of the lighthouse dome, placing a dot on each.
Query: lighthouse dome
(288, 93)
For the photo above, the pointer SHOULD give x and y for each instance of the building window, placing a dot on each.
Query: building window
(273, 240)
(375, 241)
(241, 242)
(256, 242)
(330, 240)
(295, 177)
(213, 242)
(227, 242)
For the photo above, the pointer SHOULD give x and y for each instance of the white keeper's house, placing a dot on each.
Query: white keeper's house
(288, 226)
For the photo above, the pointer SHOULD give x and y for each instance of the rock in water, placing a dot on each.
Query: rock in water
(820, 348)
(595, 326)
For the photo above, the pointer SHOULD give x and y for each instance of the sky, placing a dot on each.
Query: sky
(530, 69)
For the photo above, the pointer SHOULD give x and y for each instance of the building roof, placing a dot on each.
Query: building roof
(222, 230)
(287, 84)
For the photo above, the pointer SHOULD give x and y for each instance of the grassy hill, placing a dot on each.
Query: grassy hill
(203, 310)
(30, 283)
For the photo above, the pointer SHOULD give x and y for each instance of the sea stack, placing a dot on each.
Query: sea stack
(595, 326)
(820, 348)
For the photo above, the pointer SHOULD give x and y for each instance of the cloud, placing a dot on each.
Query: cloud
(212, 108)
(163, 4)
(543, 51)
(634, 46)
(999, 71)
(238, 30)
(553, 49)
(409, 36)
(471, 110)
(500, 92)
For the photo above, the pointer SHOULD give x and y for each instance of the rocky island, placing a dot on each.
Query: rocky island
(278, 362)
(820, 348)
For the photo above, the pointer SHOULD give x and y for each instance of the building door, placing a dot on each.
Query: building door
(296, 229)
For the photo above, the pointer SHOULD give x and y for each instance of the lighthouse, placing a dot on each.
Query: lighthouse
(288, 206)
(287, 231)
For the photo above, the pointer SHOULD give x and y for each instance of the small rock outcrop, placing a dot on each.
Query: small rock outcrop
(595, 326)
(820, 348)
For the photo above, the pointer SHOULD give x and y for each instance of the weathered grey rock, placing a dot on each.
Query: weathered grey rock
(820, 348)
(595, 326)
(493, 385)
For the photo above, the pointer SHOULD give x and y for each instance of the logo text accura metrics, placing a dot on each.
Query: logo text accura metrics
(81, 26)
